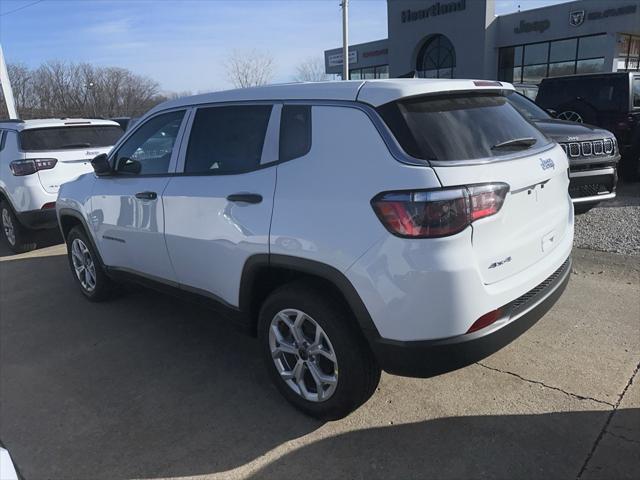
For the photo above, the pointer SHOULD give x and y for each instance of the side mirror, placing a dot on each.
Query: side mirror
(101, 165)
(552, 112)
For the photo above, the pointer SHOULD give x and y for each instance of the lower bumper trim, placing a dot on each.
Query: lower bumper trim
(433, 357)
(38, 219)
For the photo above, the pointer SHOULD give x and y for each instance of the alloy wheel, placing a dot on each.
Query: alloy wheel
(571, 116)
(8, 228)
(303, 355)
(83, 265)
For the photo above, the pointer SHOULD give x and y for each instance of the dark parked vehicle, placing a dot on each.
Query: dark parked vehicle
(608, 100)
(592, 152)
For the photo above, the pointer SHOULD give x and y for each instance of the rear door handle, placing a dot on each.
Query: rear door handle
(245, 197)
(147, 195)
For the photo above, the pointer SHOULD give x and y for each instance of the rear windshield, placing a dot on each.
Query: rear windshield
(69, 138)
(460, 127)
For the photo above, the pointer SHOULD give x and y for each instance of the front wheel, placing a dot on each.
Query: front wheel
(315, 355)
(86, 268)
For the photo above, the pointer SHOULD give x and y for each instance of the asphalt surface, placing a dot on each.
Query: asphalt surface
(146, 386)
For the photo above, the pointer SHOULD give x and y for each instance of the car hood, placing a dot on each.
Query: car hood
(564, 131)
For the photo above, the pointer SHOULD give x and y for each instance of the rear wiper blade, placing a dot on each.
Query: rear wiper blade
(76, 145)
(525, 142)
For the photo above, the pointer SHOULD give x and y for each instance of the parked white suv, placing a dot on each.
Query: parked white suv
(413, 226)
(36, 157)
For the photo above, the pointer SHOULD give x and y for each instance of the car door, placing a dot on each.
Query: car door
(126, 208)
(218, 210)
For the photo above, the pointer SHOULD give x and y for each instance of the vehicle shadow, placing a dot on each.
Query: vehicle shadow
(544, 446)
(146, 386)
(43, 239)
(139, 387)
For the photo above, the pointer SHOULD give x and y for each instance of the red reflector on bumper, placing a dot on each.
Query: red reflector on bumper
(485, 320)
(49, 205)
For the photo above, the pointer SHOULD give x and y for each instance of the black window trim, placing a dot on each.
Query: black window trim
(3, 138)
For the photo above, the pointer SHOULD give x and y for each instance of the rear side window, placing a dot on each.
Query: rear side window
(602, 92)
(636, 92)
(227, 139)
(295, 131)
(460, 127)
(69, 138)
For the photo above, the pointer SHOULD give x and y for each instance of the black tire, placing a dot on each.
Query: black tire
(359, 372)
(103, 286)
(15, 236)
(581, 208)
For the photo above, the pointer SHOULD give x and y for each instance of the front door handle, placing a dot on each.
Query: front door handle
(147, 195)
(245, 197)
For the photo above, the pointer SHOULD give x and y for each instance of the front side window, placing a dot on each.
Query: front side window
(460, 126)
(227, 139)
(148, 151)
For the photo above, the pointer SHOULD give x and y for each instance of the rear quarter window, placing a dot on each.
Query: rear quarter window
(69, 138)
(295, 131)
(460, 127)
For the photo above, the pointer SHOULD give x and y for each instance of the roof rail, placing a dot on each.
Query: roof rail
(11, 120)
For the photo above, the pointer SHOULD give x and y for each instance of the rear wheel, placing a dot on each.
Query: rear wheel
(18, 238)
(316, 357)
(86, 268)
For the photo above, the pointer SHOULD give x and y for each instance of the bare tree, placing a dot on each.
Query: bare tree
(59, 89)
(311, 70)
(249, 68)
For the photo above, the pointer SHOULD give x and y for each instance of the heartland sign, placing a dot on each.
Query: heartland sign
(439, 8)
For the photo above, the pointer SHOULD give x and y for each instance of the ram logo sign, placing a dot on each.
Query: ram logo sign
(576, 18)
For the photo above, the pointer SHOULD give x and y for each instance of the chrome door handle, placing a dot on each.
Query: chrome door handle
(147, 195)
(245, 197)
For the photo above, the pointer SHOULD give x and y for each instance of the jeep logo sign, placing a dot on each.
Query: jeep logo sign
(538, 26)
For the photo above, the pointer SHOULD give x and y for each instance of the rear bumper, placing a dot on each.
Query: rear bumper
(433, 357)
(593, 186)
(38, 219)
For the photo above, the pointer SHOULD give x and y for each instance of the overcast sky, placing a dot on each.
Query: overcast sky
(183, 44)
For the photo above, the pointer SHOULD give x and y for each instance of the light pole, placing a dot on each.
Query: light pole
(345, 39)
(6, 87)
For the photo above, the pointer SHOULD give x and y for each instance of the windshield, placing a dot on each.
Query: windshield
(526, 107)
(69, 138)
(460, 126)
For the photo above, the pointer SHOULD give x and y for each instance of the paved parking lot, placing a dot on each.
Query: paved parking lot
(150, 387)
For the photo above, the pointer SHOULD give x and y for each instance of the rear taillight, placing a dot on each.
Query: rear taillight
(438, 213)
(27, 167)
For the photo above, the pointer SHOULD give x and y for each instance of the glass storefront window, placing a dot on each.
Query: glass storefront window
(368, 73)
(634, 48)
(355, 74)
(534, 73)
(593, 65)
(591, 47)
(536, 53)
(382, 71)
(563, 50)
(562, 68)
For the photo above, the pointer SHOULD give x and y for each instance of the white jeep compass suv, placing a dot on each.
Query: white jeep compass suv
(413, 226)
(36, 157)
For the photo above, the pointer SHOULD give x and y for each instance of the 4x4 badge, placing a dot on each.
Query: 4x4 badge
(547, 163)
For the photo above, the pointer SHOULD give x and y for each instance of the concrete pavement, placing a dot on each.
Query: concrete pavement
(147, 386)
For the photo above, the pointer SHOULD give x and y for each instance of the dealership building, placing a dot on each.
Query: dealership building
(465, 39)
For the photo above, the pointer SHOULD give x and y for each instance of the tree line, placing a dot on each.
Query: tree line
(66, 89)
(62, 89)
